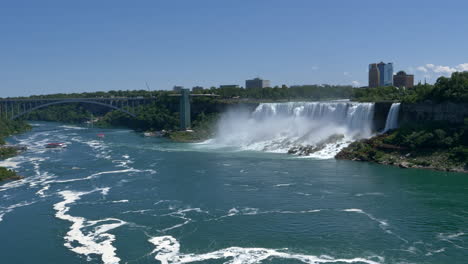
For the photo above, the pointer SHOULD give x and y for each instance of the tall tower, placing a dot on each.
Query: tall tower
(374, 75)
(386, 74)
(184, 109)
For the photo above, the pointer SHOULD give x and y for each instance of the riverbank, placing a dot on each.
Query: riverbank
(204, 128)
(7, 174)
(8, 128)
(431, 146)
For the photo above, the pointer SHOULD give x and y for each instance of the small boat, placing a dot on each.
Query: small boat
(56, 145)
(101, 135)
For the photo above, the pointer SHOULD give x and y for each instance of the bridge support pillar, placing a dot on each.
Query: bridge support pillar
(185, 109)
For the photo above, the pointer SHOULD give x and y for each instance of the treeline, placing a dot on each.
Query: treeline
(300, 92)
(453, 89)
(304, 92)
(434, 145)
(163, 113)
(8, 128)
(433, 136)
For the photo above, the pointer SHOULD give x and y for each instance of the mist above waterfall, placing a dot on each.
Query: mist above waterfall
(316, 129)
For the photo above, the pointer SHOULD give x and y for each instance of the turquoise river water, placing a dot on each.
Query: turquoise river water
(130, 199)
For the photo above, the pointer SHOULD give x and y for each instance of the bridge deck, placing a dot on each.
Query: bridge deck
(78, 99)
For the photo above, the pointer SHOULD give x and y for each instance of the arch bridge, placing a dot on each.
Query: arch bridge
(16, 108)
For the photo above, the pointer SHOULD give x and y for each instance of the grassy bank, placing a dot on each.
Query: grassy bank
(202, 129)
(436, 146)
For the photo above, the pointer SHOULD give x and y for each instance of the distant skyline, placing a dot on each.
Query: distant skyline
(84, 46)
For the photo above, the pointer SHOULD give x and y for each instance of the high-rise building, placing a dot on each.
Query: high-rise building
(374, 75)
(380, 74)
(403, 80)
(257, 83)
(386, 74)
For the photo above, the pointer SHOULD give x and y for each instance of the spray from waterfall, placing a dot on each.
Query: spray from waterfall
(392, 117)
(316, 129)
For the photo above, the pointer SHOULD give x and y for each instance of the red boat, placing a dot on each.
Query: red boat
(101, 135)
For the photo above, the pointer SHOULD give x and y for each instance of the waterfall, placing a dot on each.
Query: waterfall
(317, 129)
(392, 117)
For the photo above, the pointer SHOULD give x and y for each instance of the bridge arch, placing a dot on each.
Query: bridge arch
(72, 101)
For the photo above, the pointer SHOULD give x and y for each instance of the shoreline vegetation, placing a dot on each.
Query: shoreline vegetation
(8, 128)
(433, 145)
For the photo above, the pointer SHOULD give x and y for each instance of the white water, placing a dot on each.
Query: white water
(95, 241)
(167, 250)
(392, 117)
(278, 127)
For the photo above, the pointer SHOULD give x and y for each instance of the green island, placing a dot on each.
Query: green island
(8, 128)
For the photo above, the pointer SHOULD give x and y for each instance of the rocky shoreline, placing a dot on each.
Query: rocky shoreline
(8, 128)
(8, 151)
(374, 150)
(310, 149)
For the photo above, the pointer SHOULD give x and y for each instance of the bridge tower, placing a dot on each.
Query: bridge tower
(185, 109)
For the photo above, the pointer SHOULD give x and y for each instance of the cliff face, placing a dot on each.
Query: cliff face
(451, 112)
(380, 115)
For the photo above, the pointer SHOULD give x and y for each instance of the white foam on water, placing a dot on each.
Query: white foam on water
(105, 191)
(301, 193)
(38, 179)
(11, 163)
(255, 211)
(99, 146)
(450, 236)
(36, 124)
(432, 252)
(284, 184)
(167, 251)
(453, 238)
(73, 127)
(95, 175)
(41, 192)
(94, 241)
(5, 210)
(137, 211)
(120, 201)
(370, 194)
(182, 214)
(382, 223)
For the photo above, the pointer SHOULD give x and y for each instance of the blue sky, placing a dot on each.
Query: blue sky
(89, 45)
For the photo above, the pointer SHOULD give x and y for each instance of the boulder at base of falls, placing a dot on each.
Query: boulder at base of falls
(309, 149)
